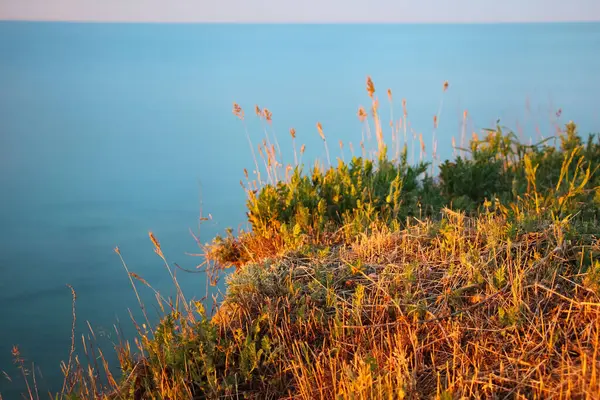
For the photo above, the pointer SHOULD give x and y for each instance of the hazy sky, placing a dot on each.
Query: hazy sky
(302, 10)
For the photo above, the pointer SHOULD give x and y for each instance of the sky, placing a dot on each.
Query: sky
(411, 11)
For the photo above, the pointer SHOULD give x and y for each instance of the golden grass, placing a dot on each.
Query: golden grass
(468, 314)
(461, 307)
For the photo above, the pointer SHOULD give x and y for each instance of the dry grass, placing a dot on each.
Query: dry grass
(503, 303)
(468, 313)
(459, 308)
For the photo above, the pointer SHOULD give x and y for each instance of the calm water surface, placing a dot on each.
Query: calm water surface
(109, 131)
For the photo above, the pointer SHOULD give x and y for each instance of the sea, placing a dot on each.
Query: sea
(111, 131)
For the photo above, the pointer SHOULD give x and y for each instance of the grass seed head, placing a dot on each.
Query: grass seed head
(320, 129)
(268, 115)
(362, 114)
(237, 111)
(370, 87)
(156, 243)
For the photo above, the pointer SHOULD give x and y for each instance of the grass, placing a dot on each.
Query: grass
(372, 279)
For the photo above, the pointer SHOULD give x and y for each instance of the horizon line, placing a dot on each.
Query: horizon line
(295, 22)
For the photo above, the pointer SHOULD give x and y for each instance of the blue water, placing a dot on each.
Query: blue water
(108, 131)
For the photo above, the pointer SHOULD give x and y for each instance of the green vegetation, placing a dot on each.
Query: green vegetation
(373, 280)
(335, 206)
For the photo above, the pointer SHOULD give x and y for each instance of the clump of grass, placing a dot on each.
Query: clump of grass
(371, 279)
(459, 307)
(333, 205)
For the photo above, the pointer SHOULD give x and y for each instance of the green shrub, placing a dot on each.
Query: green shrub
(337, 204)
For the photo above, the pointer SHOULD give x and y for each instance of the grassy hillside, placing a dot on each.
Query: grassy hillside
(371, 279)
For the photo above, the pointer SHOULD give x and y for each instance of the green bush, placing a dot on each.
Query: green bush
(336, 205)
(321, 202)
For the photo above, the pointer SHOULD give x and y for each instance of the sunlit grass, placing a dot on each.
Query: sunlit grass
(370, 279)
